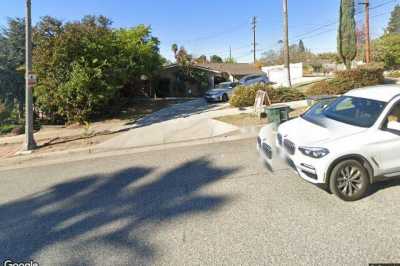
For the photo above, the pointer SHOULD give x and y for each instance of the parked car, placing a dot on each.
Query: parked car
(221, 93)
(347, 145)
(255, 79)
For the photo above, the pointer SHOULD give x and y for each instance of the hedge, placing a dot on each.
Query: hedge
(348, 80)
(6, 129)
(244, 96)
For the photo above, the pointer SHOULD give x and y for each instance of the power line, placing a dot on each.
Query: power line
(215, 35)
(336, 22)
(318, 29)
(329, 30)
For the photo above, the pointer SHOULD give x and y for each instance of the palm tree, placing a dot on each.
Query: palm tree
(174, 49)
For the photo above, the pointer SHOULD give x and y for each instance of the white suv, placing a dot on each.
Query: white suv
(347, 144)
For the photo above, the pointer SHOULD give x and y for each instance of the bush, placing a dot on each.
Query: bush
(245, 96)
(6, 129)
(348, 80)
(4, 114)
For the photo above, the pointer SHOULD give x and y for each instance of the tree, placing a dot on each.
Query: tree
(272, 57)
(347, 40)
(216, 59)
(183, 57)
(387, 50)
(202, 59)
(330, 57)
(394, 22)
(84, 66)
(174, 49)
(302, 48)
(12, 60)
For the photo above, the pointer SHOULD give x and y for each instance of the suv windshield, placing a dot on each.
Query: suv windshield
(355, 111)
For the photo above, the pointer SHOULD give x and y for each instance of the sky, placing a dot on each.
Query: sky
(212, 26)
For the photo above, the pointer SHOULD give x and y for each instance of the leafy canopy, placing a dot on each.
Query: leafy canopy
(83, 66)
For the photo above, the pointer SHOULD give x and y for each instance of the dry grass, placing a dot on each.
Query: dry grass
(75, 136)
(242, 120)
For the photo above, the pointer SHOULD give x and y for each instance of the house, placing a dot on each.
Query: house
(177, 81)
(278, 73)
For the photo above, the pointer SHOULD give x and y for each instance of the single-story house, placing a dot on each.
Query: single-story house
(176, 81)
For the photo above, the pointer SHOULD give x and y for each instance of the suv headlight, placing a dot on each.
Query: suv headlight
(314, 152)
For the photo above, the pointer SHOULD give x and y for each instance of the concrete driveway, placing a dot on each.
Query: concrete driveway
(187, 121)
(214, 204)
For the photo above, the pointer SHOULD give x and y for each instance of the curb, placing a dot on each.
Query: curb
(89, 154)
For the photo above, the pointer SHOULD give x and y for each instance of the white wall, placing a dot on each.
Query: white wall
(278, 74)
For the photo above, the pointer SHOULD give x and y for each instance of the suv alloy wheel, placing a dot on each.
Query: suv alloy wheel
(349, 180)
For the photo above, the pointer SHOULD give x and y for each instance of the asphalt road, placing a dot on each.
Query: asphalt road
(203, 205)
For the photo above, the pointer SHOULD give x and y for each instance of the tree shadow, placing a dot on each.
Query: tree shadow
(113, 210)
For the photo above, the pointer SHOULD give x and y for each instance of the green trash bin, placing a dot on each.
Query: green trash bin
(278, 113)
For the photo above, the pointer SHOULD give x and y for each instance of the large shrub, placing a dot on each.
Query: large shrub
(387, 50)
(348, 80)
(244, 96)
(83, 67)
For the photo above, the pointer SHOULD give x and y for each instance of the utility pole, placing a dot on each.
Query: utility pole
(286, 41)
(367, 48)
(29, 143)
(254, 25)
(230, 53)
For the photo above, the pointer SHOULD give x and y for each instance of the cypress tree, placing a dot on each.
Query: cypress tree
(347, 40)
(394, 22)
(302, 48)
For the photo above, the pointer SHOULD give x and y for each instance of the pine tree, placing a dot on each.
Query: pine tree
(394, 22)
(347, 39)
(302, 48)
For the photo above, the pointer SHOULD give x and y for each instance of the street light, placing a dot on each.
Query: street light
(30, 79)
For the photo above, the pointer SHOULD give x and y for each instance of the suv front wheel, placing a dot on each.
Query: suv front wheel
(349, 180)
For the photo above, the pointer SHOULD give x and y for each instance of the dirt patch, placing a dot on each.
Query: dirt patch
(297, 112)
(75, 136)
(242, 120)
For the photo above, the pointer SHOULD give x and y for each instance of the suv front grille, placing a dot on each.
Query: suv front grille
(267, 150)
(290, 147)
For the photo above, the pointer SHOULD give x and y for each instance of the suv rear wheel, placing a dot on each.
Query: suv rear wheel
(349, 180)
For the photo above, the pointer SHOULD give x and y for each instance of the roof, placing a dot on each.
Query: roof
(241, 69)
(384, 93)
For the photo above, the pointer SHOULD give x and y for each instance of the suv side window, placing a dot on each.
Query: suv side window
(392, 118)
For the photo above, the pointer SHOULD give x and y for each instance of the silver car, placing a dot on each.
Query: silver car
(255, 79)
(221, 93)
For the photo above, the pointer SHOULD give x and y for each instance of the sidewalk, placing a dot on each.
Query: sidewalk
(185, 124)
